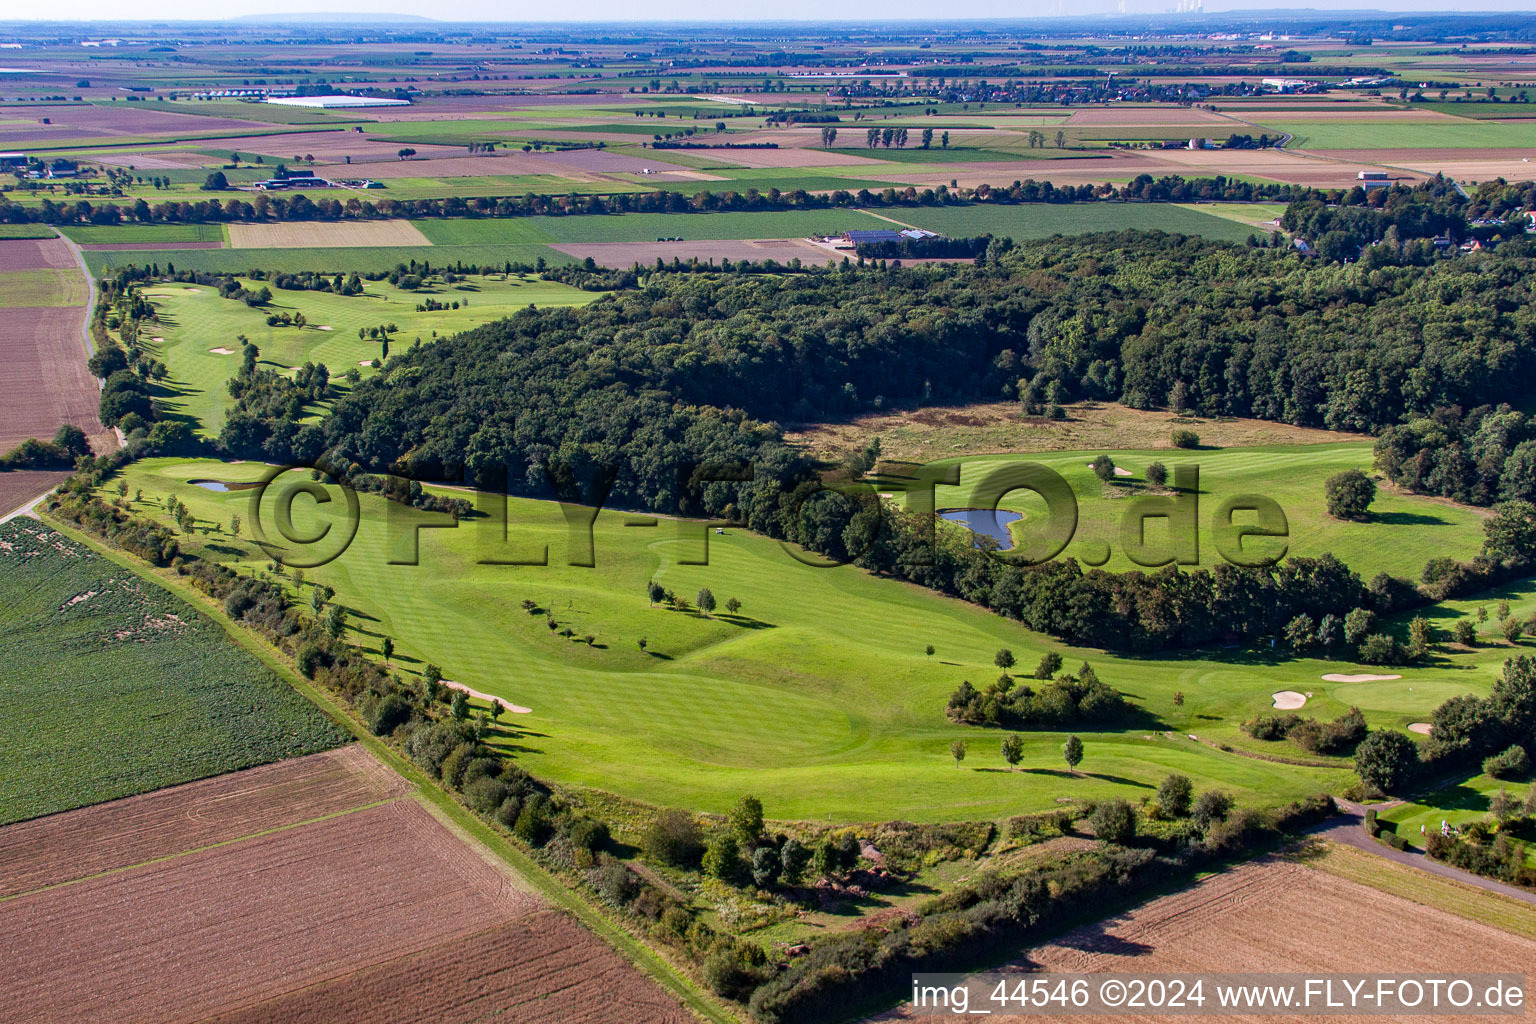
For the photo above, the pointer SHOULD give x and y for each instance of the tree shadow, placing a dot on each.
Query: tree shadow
(745, 621)
(1407, 519)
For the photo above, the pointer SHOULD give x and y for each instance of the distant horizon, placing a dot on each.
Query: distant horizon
(707, 13)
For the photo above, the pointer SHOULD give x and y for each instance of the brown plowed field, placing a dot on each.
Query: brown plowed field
(77, 844)
(22, 485)
(220, 929)
(44, 382)
(542, 969)
(290, 893)
(1281, 917)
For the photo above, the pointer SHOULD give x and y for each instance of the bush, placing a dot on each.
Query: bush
(1511, 764)
(1271, 727)
(507, 813)
(1114, 821)
(673, 838)
(1210, 807)
(532, 825)
(1175, 795)
(392, 712)
(1349, 494)
(1381, 649)
(586, 834)
(1386, 760)
(1185, 439)
(485, 794)
(613, 880)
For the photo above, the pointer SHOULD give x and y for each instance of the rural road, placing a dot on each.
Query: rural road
(1348, 829)
(90, 293)
(27, 509)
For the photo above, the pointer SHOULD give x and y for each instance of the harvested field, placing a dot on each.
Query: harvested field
(378, 914)
(20, 486)
(1277, 916)
(1277, 165)
(87, 120)
(624, 254)
(511, 969)
(138, 829)
(215, 930)
(794, 157)
(44, 382)
(1120, 116)
(320, 236)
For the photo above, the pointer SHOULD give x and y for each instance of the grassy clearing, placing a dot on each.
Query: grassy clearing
(112, 687)
(194, 320)
(42, 287)
(818, 697)
(1425, 889)
(1042, 220)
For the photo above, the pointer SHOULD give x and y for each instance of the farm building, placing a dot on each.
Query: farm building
(871, 237)
(298, 179)
(337, 102)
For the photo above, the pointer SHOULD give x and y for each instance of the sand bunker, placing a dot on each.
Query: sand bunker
(514, 708)
(325, 327)
(1422, 728)
(1119, 470)
(365, 362)
(1337, 677)
(1289, 700)
(156, 339)
(222, 351)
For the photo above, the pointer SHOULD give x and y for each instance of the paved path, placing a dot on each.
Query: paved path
(1348, 829)
(29, 509)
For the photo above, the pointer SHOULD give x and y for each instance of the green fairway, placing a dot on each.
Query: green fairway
(1402, 528)
(1457, 805)
(1396, 135)
(112, 687)
(194, 320)
(818, 697)
(1042, 220)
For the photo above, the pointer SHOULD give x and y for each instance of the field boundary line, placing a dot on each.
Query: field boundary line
(274, 830)
(647, 960)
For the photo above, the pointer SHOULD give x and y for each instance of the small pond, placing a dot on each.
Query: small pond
(984, 522)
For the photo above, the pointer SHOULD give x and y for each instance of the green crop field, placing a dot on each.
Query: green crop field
(194, 320)
(1042, 220)
(41, 288)
(1395, 135)
(1395, 539)
(25, 231)
(818, 697)
(338, 260)
(113, 687)
(647, 227)
(104, 234)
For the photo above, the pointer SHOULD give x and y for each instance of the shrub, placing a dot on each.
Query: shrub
(1510, 764)
(1381, 649)
(1464, 632)
(1185, 439)
(507, 813)
(1271, 727)
(393, 711)
(1349, 494)
(1114, 821)
(532, 825)
(1175, 795)
(1386, 759)
(673, 838)
(1210, 807)
(1157, 474)
(586, 834)
(485, 794)
(613, 880)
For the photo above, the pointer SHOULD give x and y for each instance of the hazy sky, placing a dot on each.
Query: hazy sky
(699, 10)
